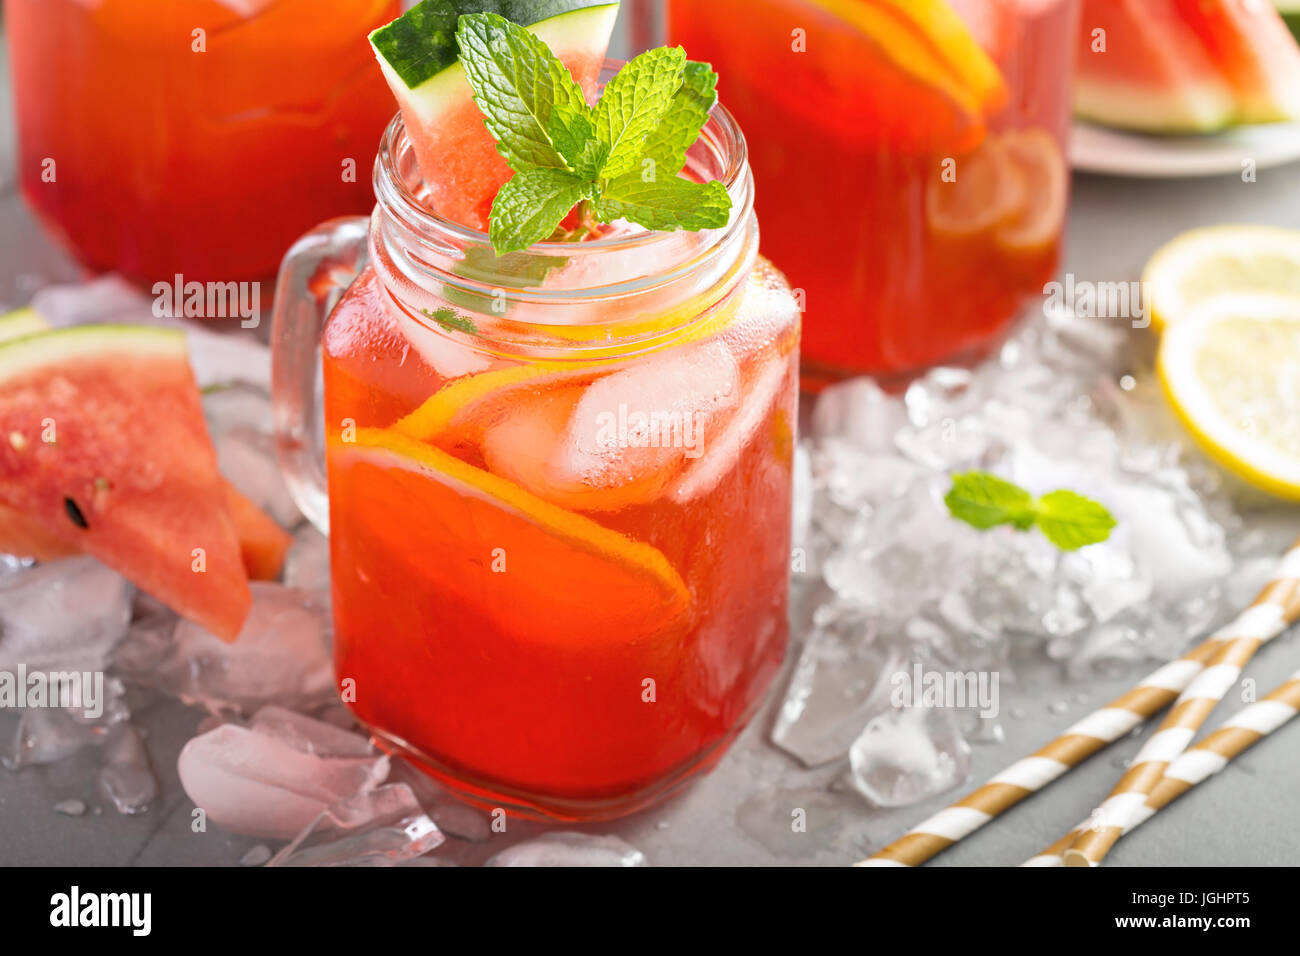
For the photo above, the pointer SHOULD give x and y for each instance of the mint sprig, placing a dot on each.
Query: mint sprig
(622, 157)
(1067, 519)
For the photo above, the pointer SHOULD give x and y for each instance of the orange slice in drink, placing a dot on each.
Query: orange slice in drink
(480, 541)
(899, 74)
(971, 74)
(1037, 224)
(976, 193)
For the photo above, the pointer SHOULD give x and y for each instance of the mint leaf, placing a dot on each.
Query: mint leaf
(531, 104)
(623, 156)
(985, 501)
(1071, 521)
(531, 204)
(634, 103)
(680, 128)
(451, 320)
(1067, 519)
(672, 203)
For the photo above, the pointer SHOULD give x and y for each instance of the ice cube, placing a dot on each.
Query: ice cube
(148, 642)
(648, 418)
(383, 827)
(282, 656)
(307, 565)
(125, 777)
(840, 682)
(65, 615)
(908, 755)
(239, 420)
(47, 735)
(569, 848)
(801, 496)
(309, 735)
(256, 783)
(860, 412)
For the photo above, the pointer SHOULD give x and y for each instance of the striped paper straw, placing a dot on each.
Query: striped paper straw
(1264, 620)
(1094, 732)
(1202, 761)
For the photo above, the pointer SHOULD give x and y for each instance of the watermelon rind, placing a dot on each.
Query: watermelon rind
(1290, 10)
(421, 60)
(22, 355)
(1188, 110)
(21, 322)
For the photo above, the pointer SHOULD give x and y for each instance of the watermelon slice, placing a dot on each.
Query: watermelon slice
(457, 155)
(1255, 53)
(1153, 74)
(263, 544)
(103, 443)
(1172, 66)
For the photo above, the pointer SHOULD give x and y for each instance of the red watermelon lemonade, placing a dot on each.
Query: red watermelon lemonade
(559, 453)
(199, 137)
(927, 141)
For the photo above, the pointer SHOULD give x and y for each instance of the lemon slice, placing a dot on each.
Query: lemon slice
(1203, 263)
(1231, 371)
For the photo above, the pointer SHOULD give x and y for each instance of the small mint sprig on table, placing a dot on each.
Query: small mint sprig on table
(1067, 519)
(621, 158)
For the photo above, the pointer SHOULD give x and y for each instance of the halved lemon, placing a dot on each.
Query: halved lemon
(562, 572)
(1231, 370)
(1203, 263)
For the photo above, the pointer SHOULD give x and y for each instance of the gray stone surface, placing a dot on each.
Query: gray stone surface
(1249, 815)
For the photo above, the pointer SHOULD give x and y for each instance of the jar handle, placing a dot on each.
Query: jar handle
(315, 272)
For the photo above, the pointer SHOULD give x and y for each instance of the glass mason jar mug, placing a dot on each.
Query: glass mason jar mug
(559, 488)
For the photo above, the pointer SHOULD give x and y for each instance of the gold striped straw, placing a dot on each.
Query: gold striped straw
(1264, 620)
(1200, 762)
(1099, 729)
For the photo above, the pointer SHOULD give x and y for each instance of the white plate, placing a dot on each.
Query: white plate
(1095, 149)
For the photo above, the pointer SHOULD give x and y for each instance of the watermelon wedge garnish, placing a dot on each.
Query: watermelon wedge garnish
(1176, 66)
(103, 445)
(418, 53)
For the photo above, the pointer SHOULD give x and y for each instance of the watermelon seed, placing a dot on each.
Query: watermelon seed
(74, 514)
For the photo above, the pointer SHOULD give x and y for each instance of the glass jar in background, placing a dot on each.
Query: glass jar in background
(198, 137)
(914, 187)
(559, 488)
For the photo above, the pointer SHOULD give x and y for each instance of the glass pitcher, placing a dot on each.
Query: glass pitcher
(910, 162)
(194, 137)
